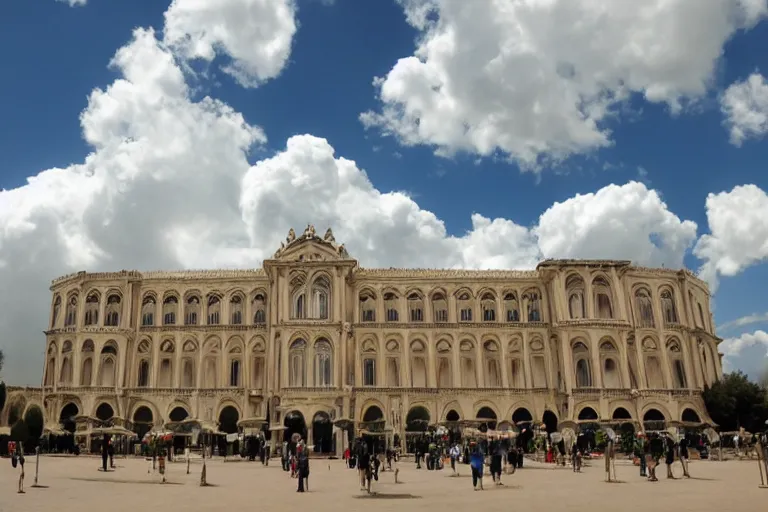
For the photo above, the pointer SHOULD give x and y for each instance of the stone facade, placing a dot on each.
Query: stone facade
(315, 334)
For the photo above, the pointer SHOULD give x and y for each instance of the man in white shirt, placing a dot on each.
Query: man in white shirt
(454, 453)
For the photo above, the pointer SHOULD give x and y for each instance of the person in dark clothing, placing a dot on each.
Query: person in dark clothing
(683, 446)
(496, 461)
(302, 467)
(364, 469)
(650, 460)
(104, 452)
(669, 448)
(477, 461)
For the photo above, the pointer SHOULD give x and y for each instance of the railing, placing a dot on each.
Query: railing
(664, 394)
(451, 325)
(206, 328)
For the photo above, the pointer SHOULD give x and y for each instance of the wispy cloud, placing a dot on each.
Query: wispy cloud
(754, 318)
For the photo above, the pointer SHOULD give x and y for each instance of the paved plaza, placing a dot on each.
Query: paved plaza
(75, 484)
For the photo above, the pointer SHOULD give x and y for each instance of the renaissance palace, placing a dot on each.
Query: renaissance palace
(312, 338)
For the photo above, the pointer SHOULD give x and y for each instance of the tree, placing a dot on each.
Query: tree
(2, 396)
(736, 402)
(19, 432)
(2, 360)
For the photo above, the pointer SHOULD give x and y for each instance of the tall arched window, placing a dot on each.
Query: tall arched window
(323, 364)
(71, 316)
(321, 292)
(644, 306)
(492, 368)
(86, 373)
(369, 355)
(582, 365)
(488, 306)
(236, 310)
(418, 364)
(148, 307)
(464, 307)
(468, 368)
(609, 358)
(91, 309)
(415, 307)
(675, 356)
(515, 365)
(668, 308)
(574, 287)
(170, 310)
(188, 364)
(532, 299)
(65, 376)
(511, 307)
(143, 354)
(192, 310)
(444, 364)
(603, 297)
(367, 306)
(439, 307)
(259, 305)
(390, 307)
(393, 364)
(298, 295)
(296, 366)
(165, 374)
(214, 310)
(56, 312)
(114, 308)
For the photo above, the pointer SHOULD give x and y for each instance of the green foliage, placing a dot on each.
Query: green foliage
(2, 360)
(2, 395)
(736, 402)
(601, 439)
(34, 420)
(19, 432)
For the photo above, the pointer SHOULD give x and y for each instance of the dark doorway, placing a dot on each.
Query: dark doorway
(373, 413)
(452, 416)
(67, 419)
(228, 418)
(322, 433)
(621, 414)
(105, 412)
(587, 413)
(489, 419)
(295, 424)
(689, 415)
(522, 415)
(34, 421)
(417, 419)
(178, 414)
(142, 421)
(549, 419)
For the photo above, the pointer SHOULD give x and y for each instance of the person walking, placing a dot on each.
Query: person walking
(303, 467)
(364, 468)
(104, 452)
(683, 448)
(669, 445)
(454, 453)
(639, 452)
(476, 462)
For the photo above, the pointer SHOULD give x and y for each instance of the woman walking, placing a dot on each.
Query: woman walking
(477, 461)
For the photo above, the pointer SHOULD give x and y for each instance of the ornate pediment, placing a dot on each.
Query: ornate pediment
(309, 246)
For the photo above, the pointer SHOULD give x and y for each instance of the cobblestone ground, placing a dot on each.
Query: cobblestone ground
(76, 484)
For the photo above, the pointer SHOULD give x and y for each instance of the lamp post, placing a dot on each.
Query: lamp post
(45, 413)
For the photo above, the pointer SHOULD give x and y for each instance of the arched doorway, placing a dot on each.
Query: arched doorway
(523, 418)
(34, 421)
(588, 414)
(373, 413)
(621, 414)
(322, 433)
(67, 421)
(416, 423)
(522, 415)
(142, 421)
(653, 419)
(178, 414)
(489, 418)
(295, 424)
(104, 412)
(452, 416)
(690, 416)
(549, 419)
(228, 418)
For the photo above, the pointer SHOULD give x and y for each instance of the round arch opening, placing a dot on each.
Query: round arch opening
(522, 415)
(142, 421)
(294, 424)
(452, 416)
(417, 419)
(66, 444)
(373, 413)
(178, 414)
(653, 415)
(489, 418)
(34, 421)
(105, 412)
(621, 414)
(322, 433)
(690, 416)
(549, 419)
(228, 418)
(588, 414)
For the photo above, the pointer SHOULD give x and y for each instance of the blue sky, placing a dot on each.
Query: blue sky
(61, 54)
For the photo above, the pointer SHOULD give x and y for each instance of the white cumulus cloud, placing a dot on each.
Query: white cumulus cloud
(738, 238)
(745, 107)
(255, 34)
(74, 3)
(748, 351)
(536, 80)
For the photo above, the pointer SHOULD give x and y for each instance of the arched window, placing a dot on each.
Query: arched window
(653, 369)
(321, 292)
(112, 316)
(415, 307)
(390, 307)
(258, 372)
(86, 373)
(418, 364)
(235, 363)
(165, 376)
(56, 311)
(492, 369)
(464, 306)
(143, 354)
(393, 364)
(516, 375)
(534, 306)
(603, 298)
(511, 307)
(236, 310)
(214, 310)
(148, 307)
(444, 364)
(211, 364)
(323, 364)
(296, 366)
(170, 310)
(668, 308)
(188, 364)
(91, 309)
(574, 287)
(192, 310)
(675, 357)
(468, 369)
(298, 296)
(488, 306)
(108, 366)
(367, 306)
(644, 307)
(234, 373)
(71, 316)
(259, 305)
(439, 307)
(609, 357)
(369, 355)
(65, 375)
(143, 377)
(582, 365)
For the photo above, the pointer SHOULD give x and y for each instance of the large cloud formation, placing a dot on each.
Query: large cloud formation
(536, 80)
(745, 108)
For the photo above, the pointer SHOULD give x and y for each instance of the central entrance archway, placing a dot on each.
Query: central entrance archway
(416, 423)
(489, 418)
(322, 433)
(67, 421)
(142, 421)
(178, 414)
(295, 424)
(105, 412)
